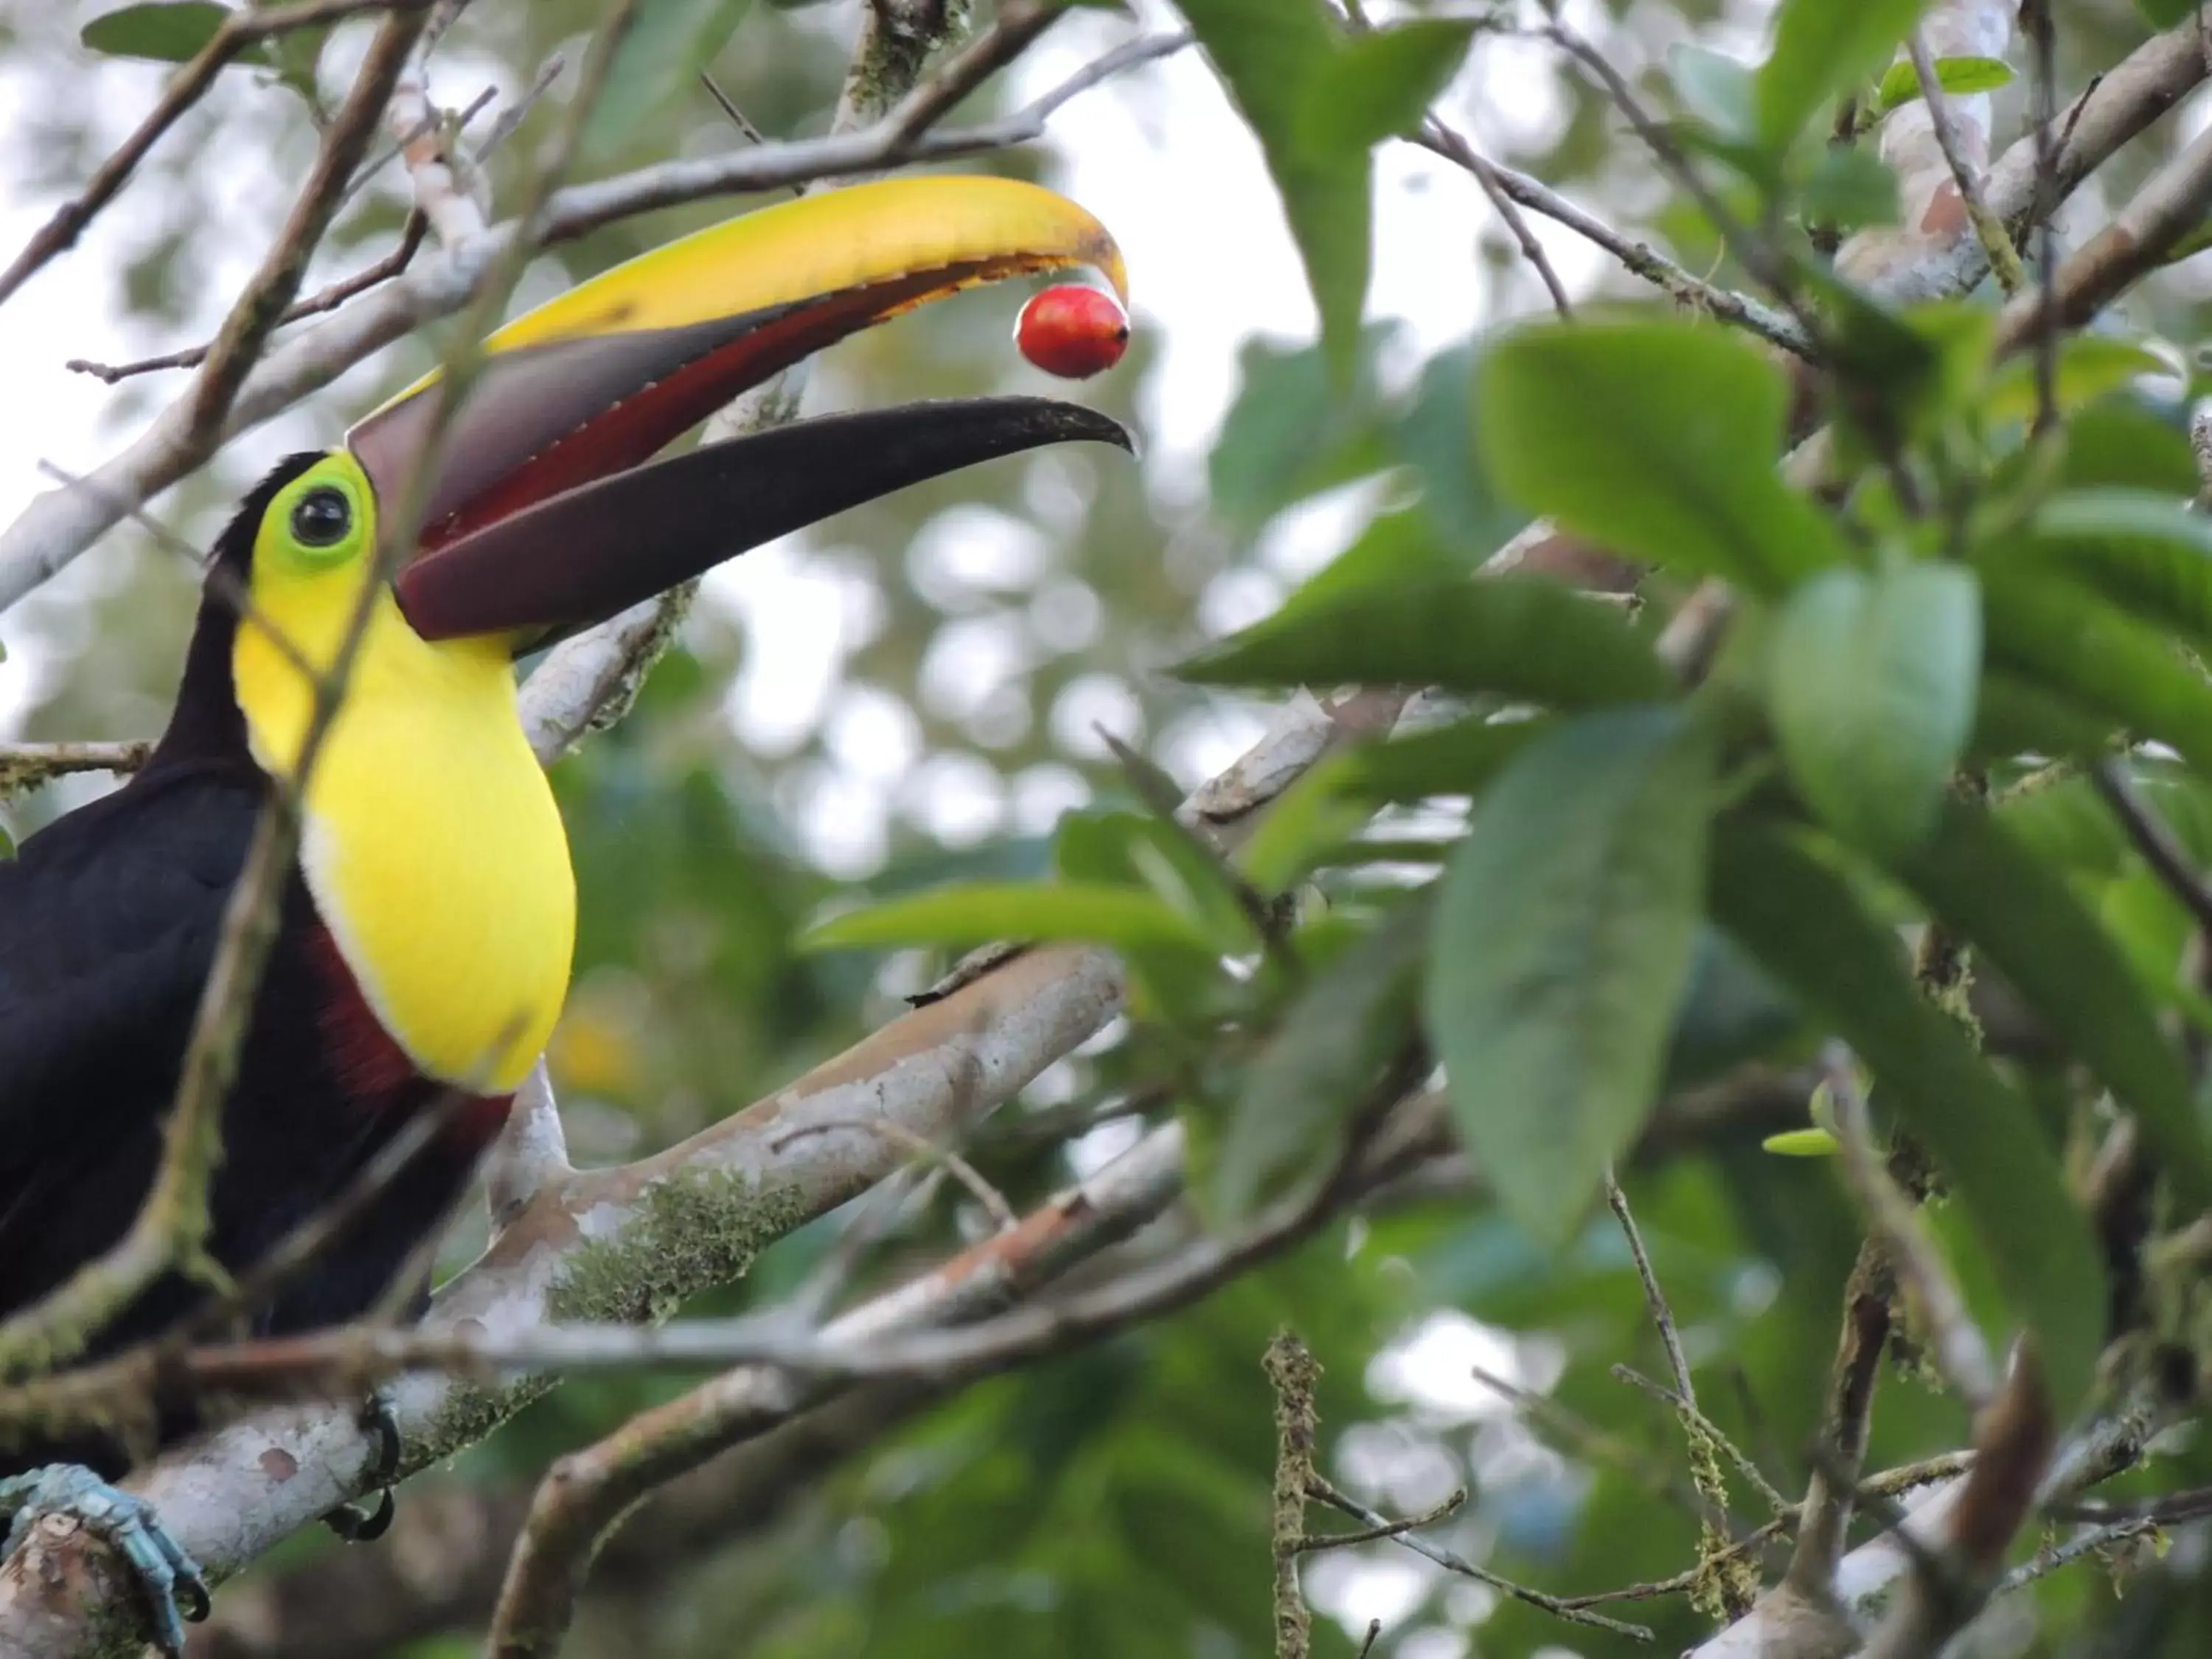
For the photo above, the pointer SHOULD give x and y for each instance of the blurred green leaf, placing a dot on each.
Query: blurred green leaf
(1655, 440)
(974, 911)
(1822, 49)
(1523, 636)
(2013, 715)
(1327, 1051)
(1318, 102)
(1872, 689)
(669, 42)
(1714, 88)
(2062, 637)
(1457, 759)
(2019, 911)
(2089, 367)
(2150, 554)
(171, 32)
(1434, 436)
(2119, 439)
(1804, 924)
(2165, 13)
(1732, 1012)
(1396, 549)
(1900, 84)
(2066, 822)
(1562, 945)
(1848, 188)
(1290, 433)
(1379, 84)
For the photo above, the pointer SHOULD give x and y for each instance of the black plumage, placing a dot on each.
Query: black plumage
(109, 921)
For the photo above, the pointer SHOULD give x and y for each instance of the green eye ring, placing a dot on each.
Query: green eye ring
(322, 518)
(323, 521)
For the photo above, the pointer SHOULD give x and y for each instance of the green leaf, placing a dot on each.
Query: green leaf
(1339, 796)
(2020, 914)
(1379, 84)
(668, 42)
(1848, 187)
(2166, 14)
(1562, 943)
(1331, 1043)
(1458, 759)
(1732, 1012)
(2060, 635)
(172, 32)
(1433, 437)
(1714, 88)
(1397, 549)
(1901, 85)
(2120, 440)
(1872, 683)
(1803, 922)
(1318, 101)
(1821, 49)
(1290, 433)
(1524, 636)
(2090, 367)
(2148, 554)
(971, 912)
(1655, 440)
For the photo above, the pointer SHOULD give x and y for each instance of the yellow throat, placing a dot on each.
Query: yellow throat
(432, 846)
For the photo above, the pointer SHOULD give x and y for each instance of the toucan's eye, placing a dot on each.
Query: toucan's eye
(322, 518)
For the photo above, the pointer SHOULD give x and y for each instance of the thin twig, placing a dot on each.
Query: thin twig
(1944, 120)
(2154, 839)
(27, 766)
(1638, 258)
(1706, 1427)
(1451, 1561)
(241, 28)
(1312, 1542)
(276, 281)
(992, 1200)
(412, 236)
(737, 117)
(2036, 21)
(1960, 1352)
(505, 123)
(2091, 1542)
(1735, 1588)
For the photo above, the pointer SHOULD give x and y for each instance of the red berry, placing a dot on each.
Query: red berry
(1073, 332)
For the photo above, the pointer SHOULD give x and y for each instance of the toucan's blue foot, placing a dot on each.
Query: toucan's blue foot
(170, 1577)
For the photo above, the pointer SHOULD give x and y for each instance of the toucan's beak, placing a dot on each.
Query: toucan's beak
(542, 515)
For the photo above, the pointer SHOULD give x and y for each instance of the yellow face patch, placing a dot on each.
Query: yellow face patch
(432, 846)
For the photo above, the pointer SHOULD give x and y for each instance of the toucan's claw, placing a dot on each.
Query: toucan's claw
(360, 1524)
(171, 1578)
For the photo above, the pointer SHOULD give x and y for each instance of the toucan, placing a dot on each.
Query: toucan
(425, 935)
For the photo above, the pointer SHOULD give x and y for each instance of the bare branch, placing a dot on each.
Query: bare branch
(1966, 153)
(584, 1493)
(411, 234)
(240, 30)
(28, 766)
